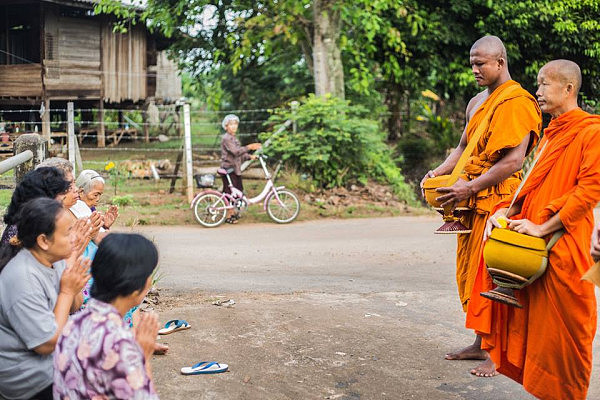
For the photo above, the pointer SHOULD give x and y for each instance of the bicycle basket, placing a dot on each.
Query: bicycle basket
(205, 180)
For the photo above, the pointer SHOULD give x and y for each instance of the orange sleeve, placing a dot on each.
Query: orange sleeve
(512, 121)
(586, 194)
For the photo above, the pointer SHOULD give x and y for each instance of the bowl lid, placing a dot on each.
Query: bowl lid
(436, 182)
(518, 239)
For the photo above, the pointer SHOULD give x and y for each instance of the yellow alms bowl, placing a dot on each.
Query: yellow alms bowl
(430, 186)
(515, 252)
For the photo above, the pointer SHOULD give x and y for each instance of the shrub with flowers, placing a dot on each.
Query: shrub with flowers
(116, 175)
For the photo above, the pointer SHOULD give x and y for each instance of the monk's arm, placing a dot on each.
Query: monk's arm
(448, 165)
(503, 169)
(529, 228)
(450, 162)
(510, 163)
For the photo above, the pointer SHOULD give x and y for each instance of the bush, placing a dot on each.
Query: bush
(121, 201)
(336, 143)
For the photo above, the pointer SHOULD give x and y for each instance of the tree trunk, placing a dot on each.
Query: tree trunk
(394, 104)
(327, 57)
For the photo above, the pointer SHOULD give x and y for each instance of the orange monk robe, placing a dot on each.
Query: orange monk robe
(547, 345)
(516, 115)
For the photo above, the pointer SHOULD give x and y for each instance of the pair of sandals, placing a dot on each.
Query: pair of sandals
(233, 219)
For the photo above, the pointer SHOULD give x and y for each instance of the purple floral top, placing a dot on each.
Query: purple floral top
(97, 357)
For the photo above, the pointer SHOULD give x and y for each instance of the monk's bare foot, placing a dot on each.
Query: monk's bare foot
(160, 349)
(486, 369)
(472, 352)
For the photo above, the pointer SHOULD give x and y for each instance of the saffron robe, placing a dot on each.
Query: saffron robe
(547, 345)
(516, 115)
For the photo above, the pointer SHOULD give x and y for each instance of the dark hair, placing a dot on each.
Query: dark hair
(122, 265)
(42, 182)
(36, 217)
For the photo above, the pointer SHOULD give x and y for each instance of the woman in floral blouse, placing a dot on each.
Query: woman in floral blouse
(98, 356)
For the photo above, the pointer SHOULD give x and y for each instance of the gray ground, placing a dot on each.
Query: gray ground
(349, 309)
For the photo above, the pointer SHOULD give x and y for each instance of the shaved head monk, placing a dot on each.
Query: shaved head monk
(547, 345)
(493, 171)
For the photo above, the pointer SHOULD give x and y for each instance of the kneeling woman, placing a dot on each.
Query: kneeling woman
(38, 289)
(98, 355)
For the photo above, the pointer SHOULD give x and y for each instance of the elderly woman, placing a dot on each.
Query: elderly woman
(97, 356)
(232, 155)
(38, 289)
(90, 186)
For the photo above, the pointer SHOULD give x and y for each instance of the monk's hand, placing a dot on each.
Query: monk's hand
(454, 194)
(429, 174)
(492, 223)
(526, 226)
(596, 244)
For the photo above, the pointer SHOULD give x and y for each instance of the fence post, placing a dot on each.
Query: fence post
(71, 135)
(188, 178)
(37, 145)
(46, 120)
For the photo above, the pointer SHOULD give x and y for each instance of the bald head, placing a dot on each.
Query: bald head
(565, 71)
(491, 46)
(489, 63)
(558, 84)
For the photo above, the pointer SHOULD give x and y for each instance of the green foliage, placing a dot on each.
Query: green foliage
(121, 201)
(335, 143)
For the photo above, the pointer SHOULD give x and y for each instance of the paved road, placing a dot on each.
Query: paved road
(382, 290)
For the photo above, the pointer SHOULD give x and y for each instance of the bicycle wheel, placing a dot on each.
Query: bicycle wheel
(210, 210)
(284, 210)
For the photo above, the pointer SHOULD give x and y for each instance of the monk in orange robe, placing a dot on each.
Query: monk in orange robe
(494, 170)
(547, 345)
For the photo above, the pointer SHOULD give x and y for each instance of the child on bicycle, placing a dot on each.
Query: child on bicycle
(232, 156)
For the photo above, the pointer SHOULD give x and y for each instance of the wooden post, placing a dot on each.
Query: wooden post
(101, 134)
(46, 120)
(145, 121)
(38, 145)
(71, 134)
(188, 181)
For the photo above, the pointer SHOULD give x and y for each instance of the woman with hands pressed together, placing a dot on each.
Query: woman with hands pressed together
(98, 356)
(41, 277)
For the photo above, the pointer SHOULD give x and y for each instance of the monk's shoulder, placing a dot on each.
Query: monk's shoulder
(591, 133)
(522, 106)
(475, 102)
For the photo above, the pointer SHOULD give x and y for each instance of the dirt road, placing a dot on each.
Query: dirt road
(349, 309)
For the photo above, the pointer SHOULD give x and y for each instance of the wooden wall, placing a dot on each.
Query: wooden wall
(72, 57)
(22, 80)
(168, 80)
(124, 64)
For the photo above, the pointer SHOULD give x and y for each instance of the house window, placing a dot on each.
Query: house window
(19, 34)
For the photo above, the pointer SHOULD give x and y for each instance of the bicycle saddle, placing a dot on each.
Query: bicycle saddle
(223, 171)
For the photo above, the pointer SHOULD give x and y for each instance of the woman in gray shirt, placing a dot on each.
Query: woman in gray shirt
(38, 289)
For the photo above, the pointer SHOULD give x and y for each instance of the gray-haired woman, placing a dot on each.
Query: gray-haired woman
(232, 155)
(91, 187)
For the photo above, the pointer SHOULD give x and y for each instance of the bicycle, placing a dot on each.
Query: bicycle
(210, 206)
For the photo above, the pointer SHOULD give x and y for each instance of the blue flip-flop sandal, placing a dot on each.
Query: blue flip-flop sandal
(174, 325)
(205, 367)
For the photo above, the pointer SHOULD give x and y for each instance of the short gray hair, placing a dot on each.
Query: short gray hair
(57, 162)
(228, 118)
(86, 180)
